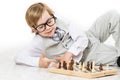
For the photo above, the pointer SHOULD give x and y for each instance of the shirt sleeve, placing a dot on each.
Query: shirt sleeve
(80, 41)
(30, 55)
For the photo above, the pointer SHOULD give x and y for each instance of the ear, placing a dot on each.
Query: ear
(33, 30)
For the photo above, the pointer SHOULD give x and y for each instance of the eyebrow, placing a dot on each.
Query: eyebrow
(46, 21)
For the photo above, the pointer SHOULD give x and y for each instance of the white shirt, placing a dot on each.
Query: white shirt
(31, 54)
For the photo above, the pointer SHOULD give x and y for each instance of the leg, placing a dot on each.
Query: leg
(101, 53)
(103, 27)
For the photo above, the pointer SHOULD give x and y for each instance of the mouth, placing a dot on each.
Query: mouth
(48, 32)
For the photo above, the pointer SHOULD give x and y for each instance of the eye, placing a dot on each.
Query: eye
(40, 27)
(49, 21)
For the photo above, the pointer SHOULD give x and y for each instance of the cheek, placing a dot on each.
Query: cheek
(42, 34)
(54, 27)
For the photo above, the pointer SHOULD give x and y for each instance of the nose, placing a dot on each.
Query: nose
(47, 27)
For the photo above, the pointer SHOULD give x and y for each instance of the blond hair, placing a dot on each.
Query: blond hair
(35, 11)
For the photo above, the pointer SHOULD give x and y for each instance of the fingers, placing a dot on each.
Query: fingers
(58, 58)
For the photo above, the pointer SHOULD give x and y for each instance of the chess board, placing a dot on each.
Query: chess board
(84, 71)
(84, 74)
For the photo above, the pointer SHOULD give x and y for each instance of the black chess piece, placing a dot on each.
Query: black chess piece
(64, 65)
(70, 67)
(91, 65)
(118, 61)
(59, 65)
(88, 65)
(101, 67)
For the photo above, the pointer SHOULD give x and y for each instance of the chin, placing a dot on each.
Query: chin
(50, 35)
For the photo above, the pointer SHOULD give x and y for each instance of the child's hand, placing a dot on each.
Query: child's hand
(44, 62)
(66, 57)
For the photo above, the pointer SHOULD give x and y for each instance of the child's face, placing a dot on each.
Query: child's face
(46, 25)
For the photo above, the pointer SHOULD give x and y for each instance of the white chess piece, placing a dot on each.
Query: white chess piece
(107, 66)
(80, 66)
(83, 67)
(93, 66)
(74, 66)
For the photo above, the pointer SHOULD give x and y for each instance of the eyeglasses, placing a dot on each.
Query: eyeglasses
(42, 27)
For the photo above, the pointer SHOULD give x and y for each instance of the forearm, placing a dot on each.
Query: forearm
(27, 60)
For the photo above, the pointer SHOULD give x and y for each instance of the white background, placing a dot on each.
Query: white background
(14, 30)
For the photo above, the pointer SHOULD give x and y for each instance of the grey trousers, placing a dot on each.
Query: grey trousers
(106, 25)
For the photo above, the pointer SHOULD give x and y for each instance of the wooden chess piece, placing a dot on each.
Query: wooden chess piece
(64, 65)
(59, 65)
(83, 67)
(107, 67)
(88, 66)
(101, 67)
(80, 66)
(71, 65)
(93, 67)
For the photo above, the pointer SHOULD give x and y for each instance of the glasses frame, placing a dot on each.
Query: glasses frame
(46, 23)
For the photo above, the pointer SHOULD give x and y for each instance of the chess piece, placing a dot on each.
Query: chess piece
(93, 67)
(72, 61)
(59, 65)
(101, 67)
(64, 65)
(71, 65)
(118, 61)
(83, 67)
(88, 66)
(107, 66)
(80, 66)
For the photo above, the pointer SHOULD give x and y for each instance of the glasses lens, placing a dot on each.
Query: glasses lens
(51, 22)
(41, 28)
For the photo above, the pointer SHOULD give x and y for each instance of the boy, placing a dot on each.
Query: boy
(58, 40)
